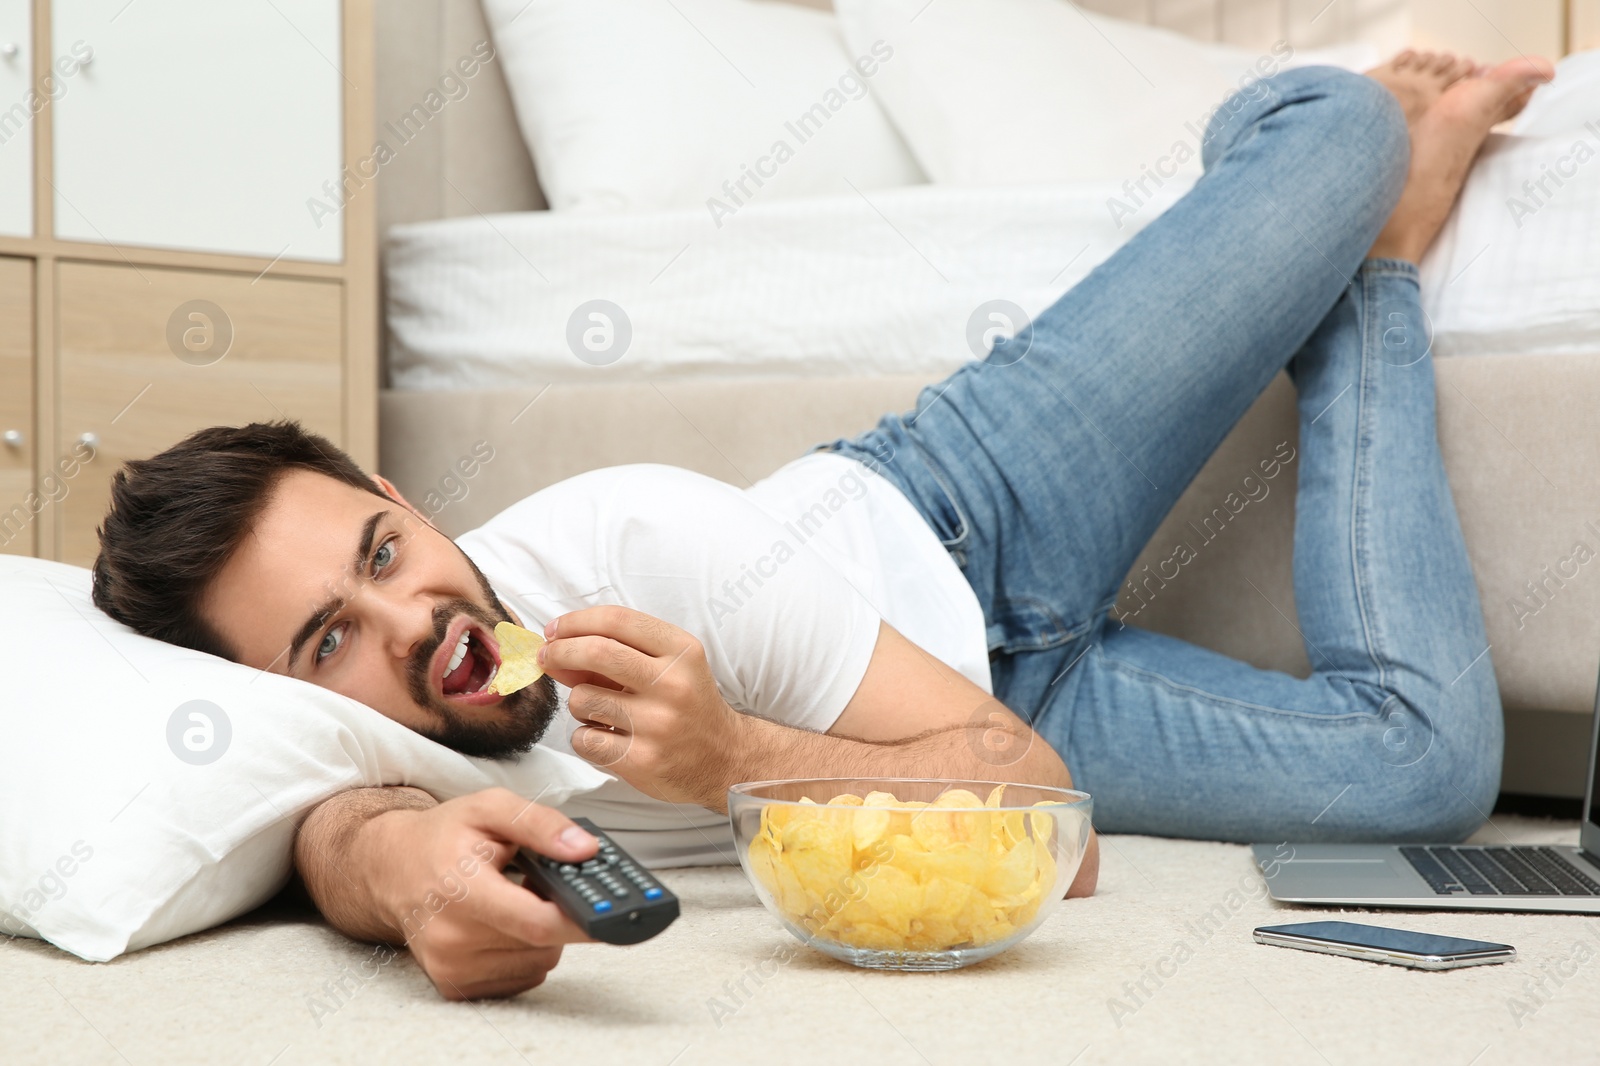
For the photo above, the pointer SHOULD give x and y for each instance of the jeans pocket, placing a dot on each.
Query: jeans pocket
(937, 502)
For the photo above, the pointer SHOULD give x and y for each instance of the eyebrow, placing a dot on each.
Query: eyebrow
(333, 606)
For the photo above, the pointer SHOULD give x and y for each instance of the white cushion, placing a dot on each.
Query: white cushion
(116, 833)
(1008, 92)
(1565, 105)
(636, 104)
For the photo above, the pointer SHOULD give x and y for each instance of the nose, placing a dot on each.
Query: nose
(402, 619)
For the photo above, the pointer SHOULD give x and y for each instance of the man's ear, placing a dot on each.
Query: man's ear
(387, 488)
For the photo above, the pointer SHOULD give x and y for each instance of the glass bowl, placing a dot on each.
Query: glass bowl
(909, 873)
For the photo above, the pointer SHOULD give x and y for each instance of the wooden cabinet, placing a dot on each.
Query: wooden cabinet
(164, 272)
(19, 506)
(148, 356)
(16, 118)
(199, 125)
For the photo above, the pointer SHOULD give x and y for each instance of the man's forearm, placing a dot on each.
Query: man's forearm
(329, 854)
(771, 750)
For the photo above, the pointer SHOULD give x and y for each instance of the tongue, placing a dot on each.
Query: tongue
(456, 680)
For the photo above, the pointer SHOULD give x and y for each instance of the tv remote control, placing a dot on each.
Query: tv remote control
(611, 897)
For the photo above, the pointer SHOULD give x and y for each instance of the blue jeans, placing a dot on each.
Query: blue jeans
(1046, 467)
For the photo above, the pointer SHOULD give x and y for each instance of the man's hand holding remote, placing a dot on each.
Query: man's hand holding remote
(395, 865)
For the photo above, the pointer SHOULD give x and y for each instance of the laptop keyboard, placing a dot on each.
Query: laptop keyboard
(1519, 870)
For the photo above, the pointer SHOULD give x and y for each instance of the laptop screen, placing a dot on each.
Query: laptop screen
(1590, 836)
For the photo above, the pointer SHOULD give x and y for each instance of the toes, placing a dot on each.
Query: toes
(1514, 106)
(1404, 59)
(1527, 70)
(1442, 62)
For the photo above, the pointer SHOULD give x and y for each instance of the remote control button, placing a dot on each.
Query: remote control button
(602, 906)
(619, 891)
(652, 893)
(590, 867)
(568, 869)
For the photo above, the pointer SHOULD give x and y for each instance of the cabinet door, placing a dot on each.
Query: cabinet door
(19, 507)
(16, 120)
(201, 125)
(148, 356)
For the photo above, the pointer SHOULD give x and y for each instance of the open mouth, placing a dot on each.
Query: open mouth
(469, 662)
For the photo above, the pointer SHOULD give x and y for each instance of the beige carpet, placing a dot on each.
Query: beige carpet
(266, 989)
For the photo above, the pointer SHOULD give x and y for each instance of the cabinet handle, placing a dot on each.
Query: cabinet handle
(9, 50)
(91, 439)
(13, 439)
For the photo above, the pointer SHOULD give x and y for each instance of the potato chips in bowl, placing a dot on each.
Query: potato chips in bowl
(909, 874)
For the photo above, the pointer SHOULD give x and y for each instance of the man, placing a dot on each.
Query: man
(710, 636)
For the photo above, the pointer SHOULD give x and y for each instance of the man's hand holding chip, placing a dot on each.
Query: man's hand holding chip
(650, 707)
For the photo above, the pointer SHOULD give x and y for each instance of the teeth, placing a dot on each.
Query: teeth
(493, 670)
(461, 653)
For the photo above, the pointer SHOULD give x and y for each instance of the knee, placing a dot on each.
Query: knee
(1367, 128)
(1445, 796)
(1355, 129)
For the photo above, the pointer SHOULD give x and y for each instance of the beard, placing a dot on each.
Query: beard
(522, 717)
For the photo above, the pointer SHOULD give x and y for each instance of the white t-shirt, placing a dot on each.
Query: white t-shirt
(784, 583)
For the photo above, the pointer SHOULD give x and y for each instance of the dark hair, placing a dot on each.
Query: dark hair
(176, 518)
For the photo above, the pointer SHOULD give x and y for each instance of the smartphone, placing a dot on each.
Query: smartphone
(1375, 943)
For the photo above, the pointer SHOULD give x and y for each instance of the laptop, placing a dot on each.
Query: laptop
(1481, 877)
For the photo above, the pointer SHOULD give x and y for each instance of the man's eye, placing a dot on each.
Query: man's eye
(383, 556)
(331, 642)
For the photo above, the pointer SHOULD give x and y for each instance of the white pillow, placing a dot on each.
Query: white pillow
(1009, 92)
(640, 104)
(116, 833)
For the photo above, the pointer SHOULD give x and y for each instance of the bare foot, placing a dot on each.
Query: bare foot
(1444, 142)
(1417, 79)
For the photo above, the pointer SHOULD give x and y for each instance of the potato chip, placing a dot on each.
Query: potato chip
(764, 863)
(519, 659)
(870, 827)
(959, 862)
(889, 875)
(957, 797)
(872, 936)
(943, 898)
(1043, 823)
(1012, 875)
(817, 851)
(791, 895)
(935, 829)
(894, 896)
(1045, 860)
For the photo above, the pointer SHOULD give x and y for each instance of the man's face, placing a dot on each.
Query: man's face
(356, 593)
